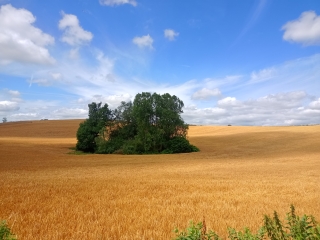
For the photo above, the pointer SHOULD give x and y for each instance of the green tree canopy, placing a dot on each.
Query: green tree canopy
(89, 130)
(151, 124)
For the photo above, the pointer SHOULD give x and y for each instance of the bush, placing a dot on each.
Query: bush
(180, 145)
(86, 137)
(298, 228)
(5, 232)
(129, 147)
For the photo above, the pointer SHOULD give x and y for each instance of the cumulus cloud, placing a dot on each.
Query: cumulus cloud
(69, 113)
(305, 30)
(12, 97)
(206, 94)
(315, 104)
(8, 106)
(229, 102)
(282, 100)
(170, 34)
(73, 34)
(286, 108)
(24, 116)
(144, 41)
(117, 2)
(20, 41)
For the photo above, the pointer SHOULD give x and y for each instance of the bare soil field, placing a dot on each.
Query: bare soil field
(240, 174)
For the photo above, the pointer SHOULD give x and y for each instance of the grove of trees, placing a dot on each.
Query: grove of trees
(150, 124)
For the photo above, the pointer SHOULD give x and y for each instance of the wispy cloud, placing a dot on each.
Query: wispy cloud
(252, 20)
(117, 2)
(262, 75)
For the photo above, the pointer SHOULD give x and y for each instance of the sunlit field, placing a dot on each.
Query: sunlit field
(240, 174)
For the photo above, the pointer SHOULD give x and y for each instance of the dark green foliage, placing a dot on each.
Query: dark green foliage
(5, 232)
(296, 228)
(179, 145)
(89, 130)
(158, 120)
(86, 135)
(151, 124)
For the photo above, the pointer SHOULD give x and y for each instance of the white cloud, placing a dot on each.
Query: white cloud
(73, 34)
(286, 108)
(170, 34)
(14, 93)
(56, 76)
(20, 41)
(8, 106)
(305, 30)
(262, 75)
(217, 82)
(315, 104)
(206, 94)
(69, 113)
(144, 41)
(41, 82)
(229, 102)
(117, 2)
(74, 53)
(112, 100)
(281, 100)
(24, 116)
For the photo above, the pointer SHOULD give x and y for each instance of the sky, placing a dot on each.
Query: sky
(248, 62)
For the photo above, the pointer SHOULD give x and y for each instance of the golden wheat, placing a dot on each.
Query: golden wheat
(240, 174)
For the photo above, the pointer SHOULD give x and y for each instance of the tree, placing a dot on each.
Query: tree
(150, 124)
(89, 130)
(4, 120)
(158, 120)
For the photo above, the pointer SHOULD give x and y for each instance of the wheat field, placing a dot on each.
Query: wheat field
(240, 174)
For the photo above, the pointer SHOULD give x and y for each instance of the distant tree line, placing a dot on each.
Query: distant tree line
(150, 124)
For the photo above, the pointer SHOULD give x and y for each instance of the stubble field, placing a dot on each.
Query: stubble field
(240, 174)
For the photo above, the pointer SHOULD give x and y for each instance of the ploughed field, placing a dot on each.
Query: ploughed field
(240, 174)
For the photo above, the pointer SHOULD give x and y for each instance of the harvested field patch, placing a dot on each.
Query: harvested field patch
(240, 174)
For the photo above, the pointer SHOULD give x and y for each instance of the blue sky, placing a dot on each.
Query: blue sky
(250, 62)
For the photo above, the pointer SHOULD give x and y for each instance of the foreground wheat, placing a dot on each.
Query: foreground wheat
(240, 174)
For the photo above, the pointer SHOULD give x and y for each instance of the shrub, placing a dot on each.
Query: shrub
(86, 137)
(180, 145)
(298, 228)
(5, 232)
(195, 232)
